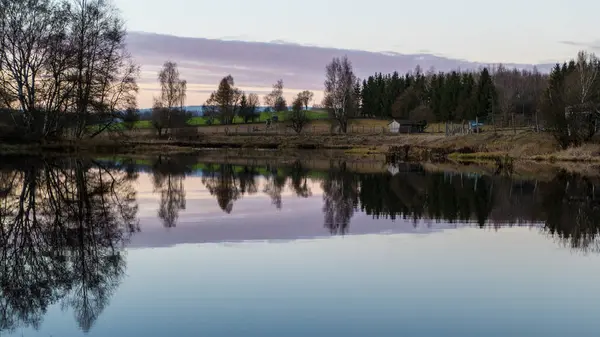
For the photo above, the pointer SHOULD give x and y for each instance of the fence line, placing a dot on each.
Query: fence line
(500, 125)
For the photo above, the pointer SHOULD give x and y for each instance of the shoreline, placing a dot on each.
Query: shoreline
(474, 148)
(325, 159)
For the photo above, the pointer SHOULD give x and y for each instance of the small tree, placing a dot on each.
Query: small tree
(160, 118)
(227, 99)
(210, 110)
(306, 97)
(274, 99)
(281, 105)
(179, 118)
(130, 117)
(172, 94)
(298, 117)
(244, 108)
(253, 102)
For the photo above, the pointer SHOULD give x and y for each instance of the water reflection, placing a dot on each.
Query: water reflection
(65, 222)
(340, 199)
(63, 226)
(567, 204)
(168, 176)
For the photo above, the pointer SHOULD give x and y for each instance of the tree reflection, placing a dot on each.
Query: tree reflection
(340, 198)
(572, 212)
(221, 182)
(566, 205)
(168, 179)
(299, 180)
(274, 185)
(247, 178)
(229, 183)
(62, 230)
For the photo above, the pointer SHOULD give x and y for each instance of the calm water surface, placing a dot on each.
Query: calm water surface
(181, 247)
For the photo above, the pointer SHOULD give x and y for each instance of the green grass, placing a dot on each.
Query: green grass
(201, 121)
(143, 124)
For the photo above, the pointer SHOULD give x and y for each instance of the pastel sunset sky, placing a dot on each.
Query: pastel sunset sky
(482, 31)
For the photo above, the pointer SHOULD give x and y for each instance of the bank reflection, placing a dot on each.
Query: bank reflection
(565, 205)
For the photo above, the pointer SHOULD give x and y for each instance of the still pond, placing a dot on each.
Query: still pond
(180, 247)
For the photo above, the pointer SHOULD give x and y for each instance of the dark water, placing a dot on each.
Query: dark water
(178, 247)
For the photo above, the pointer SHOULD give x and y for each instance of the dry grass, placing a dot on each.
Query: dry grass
(486, 146)
(518, 145)
(584, 153)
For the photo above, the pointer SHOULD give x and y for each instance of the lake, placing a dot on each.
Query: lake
(181, 246)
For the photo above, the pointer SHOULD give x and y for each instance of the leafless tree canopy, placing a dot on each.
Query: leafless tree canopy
(518, 93)
(168, 109)
(340, 98)
(172, 88)
(64, 66)
(274, 100)
(253, 100)
(306, 98)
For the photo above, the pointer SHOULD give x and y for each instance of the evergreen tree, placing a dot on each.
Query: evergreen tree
(485, 96)
(244, 110)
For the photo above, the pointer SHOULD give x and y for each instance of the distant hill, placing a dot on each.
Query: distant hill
(196, 110)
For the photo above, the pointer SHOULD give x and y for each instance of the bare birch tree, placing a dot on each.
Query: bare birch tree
(587, 67)
(172, 95)
(340, 97)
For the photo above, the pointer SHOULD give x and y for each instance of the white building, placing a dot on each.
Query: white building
(394, 126)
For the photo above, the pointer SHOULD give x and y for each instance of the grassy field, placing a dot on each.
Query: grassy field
(317, 118)
(201, 121)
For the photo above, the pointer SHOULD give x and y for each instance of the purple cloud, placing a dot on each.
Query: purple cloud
(260, 64)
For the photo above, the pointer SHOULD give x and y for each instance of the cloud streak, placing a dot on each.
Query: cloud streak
(587, 45)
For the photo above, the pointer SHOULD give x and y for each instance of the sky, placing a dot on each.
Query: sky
(533, 31)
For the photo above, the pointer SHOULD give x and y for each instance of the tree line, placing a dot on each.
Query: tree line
(565, 102)
(452, 96)
(224, 105)
(65, 72)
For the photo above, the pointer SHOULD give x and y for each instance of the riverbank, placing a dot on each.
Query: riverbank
(365, 161)
(522, 146)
